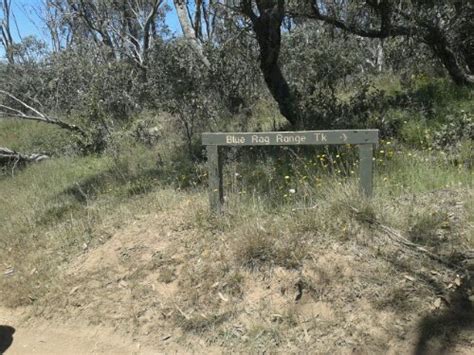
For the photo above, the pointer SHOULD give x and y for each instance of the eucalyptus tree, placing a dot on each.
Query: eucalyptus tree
(124, 29)
(6, 38)
(443, 26)
(446, 27)
(266, 17)
(205, 22)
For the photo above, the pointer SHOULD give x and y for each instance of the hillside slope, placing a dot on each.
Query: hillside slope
(289, 282)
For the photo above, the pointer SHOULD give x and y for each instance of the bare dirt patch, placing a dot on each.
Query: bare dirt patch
(79, 337)
(171, 284)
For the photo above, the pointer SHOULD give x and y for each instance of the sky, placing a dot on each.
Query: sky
(25, 12)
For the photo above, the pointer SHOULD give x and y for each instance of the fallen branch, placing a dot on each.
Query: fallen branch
(398, 238)
(34, 114)
(11, 156)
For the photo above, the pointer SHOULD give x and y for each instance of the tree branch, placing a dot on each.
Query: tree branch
(148, 23)
(40, 117)
(386, 29)
(246, 8)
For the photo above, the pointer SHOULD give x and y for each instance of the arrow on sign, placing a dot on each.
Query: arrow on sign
(344, 137)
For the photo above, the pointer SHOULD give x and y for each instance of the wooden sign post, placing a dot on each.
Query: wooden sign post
(365, 139)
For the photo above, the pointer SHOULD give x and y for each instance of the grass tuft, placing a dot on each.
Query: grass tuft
(256, 246)
(425, 227)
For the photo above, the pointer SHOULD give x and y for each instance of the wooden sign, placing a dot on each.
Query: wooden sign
(365, 139)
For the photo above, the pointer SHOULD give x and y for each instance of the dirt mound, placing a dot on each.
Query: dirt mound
(172, 282)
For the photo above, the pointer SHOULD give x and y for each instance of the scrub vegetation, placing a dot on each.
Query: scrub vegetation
(112, 226)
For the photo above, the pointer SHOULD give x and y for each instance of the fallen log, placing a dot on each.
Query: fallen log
(8, 156)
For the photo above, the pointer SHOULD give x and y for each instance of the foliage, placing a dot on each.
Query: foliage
(456, 128)
(200, 99)
(332, 76)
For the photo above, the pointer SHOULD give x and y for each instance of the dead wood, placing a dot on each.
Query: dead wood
(30, 113)
(8, 156)
(397, 237)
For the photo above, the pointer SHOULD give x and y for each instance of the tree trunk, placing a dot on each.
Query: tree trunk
(5, 31)
(277, 83)
(267, 27)
(188, 31)
(438, 43)
(380, 55)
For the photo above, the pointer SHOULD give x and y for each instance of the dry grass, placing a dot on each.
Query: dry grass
(100, 240)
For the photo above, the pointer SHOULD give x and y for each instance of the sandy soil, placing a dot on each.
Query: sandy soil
(125, 296)
(47, 338)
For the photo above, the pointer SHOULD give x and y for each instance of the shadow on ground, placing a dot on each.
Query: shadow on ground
(439, 332)
(80, 193)
(6, 337)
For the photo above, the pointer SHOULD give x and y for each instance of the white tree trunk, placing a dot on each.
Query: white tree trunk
(380, 55)
(188, 30)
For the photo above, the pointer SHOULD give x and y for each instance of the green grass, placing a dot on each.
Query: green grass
(34, 137)
(53, 210)
(415, 171)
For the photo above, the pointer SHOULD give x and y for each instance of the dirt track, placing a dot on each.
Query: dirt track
(42, 338)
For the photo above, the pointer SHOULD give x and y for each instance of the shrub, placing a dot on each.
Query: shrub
(458, 126)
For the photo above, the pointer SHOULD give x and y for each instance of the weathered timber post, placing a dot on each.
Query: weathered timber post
(366, 171)
(216, 191)
(365, 139)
